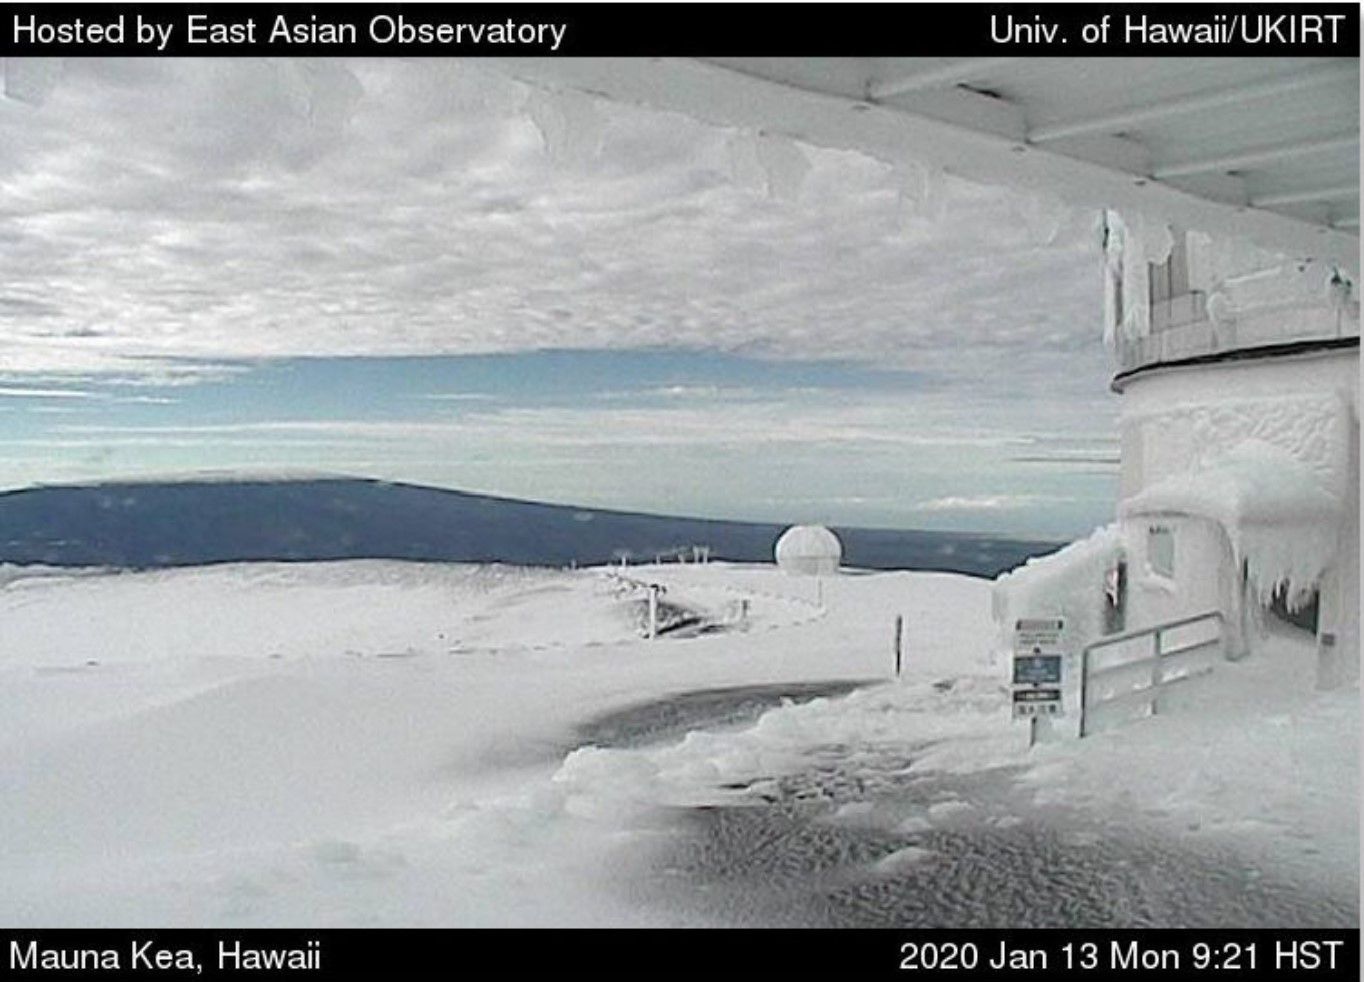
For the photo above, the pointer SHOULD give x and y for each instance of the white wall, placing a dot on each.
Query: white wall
(1174, 420)
(1339, 610)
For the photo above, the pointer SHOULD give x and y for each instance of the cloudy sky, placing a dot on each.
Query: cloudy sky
(426, 271)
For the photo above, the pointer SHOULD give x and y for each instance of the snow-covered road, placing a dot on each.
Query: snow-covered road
(839, 846)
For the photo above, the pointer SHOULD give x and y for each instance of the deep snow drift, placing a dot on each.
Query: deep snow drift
(393, 744)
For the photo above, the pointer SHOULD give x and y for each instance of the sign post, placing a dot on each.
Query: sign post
(1037, 668)
(899, 636)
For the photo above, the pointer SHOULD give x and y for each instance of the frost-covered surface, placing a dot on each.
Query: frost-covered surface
(1190, 434)
(1279, 518)
(1069, 584)
(1274, 472)
(1253, 295)
(395, 744)
(1131, 246)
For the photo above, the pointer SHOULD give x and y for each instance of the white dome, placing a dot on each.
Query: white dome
(809, 550)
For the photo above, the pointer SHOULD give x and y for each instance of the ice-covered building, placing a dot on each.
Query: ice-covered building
(1238, 372)
(1239, 377)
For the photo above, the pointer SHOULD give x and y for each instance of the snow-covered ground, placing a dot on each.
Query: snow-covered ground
(380, 743)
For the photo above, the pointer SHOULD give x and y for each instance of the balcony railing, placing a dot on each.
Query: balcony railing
(1181, 328)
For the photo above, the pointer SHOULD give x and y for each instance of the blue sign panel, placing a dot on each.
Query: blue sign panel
(1037, 669)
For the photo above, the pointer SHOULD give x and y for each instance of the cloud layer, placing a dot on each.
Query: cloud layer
(243, 209)
(200, 257)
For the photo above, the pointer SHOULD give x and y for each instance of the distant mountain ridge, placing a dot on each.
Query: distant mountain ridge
(148, 524)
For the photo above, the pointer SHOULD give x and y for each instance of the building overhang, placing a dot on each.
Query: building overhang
(1279, 517)
(1264, 149)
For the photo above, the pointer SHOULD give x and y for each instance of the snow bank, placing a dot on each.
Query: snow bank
(715, 767)
(360, 608)
(1068, 584)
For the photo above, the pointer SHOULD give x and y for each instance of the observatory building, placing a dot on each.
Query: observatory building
(809, 550)
(1239, 485)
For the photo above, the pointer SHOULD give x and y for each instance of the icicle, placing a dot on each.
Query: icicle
(1136, 275)
(1157, 240)
(1129, 251)
(1200, 247)
(1281, 517)
(1291, 558)
(569, 124)
(31, 80)
(1114, 233)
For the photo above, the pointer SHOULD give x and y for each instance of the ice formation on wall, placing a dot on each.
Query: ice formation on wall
(1279, 518)
(1130, 244)
(1067, 584)
(1235, 277)
(1313, 430)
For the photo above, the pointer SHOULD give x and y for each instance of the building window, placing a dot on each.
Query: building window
(1160, 551)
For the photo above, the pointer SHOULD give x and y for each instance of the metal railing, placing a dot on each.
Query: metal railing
(1146, 673)
(1180, 328)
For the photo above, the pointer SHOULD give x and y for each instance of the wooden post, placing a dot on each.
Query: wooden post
(899, 635)
(653, 610)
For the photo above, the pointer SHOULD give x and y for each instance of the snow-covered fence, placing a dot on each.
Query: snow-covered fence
(1178, 650)
(674, 615)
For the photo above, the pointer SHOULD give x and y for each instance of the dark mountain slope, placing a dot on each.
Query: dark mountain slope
(191, 523)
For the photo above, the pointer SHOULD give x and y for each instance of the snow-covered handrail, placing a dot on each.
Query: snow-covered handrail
(1159, 653)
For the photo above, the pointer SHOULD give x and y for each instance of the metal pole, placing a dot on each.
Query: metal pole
(1155, 673)
(899, 634)
(1084, 688)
